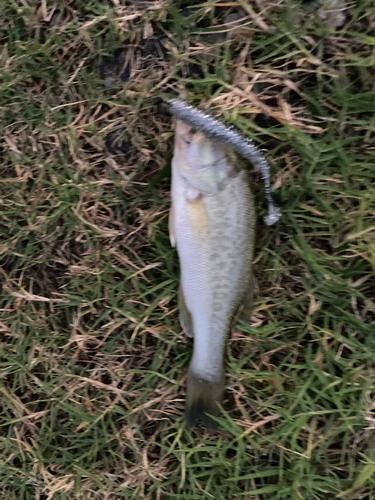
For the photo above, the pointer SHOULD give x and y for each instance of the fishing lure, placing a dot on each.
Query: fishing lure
(216, 130)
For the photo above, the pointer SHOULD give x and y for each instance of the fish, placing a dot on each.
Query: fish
(212, 225)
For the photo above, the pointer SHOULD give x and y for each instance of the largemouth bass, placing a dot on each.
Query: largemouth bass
(212, 223)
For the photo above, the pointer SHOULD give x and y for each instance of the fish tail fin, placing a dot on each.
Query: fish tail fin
(202, 399)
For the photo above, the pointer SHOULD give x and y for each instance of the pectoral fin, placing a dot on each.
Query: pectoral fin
(186, 319)
(246, 308)
(172, 232)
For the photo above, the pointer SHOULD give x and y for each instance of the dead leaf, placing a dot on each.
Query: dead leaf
(315, 305)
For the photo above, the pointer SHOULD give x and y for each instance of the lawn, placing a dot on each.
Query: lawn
(93, 360)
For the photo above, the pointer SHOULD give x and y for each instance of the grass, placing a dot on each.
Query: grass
(93, 362)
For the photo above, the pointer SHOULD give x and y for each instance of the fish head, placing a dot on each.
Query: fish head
(203, 163)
